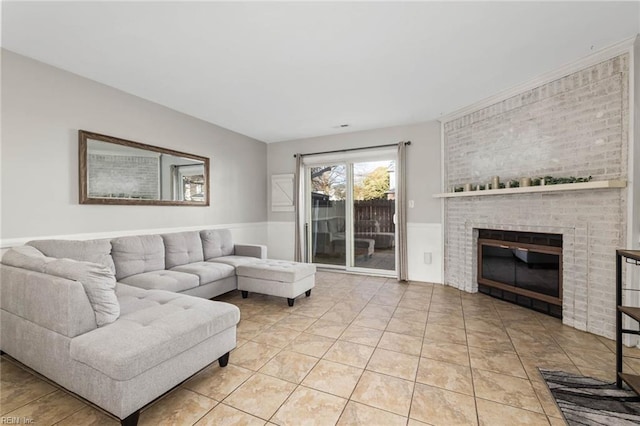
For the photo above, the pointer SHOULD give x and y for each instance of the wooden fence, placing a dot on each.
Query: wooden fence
(381, 211)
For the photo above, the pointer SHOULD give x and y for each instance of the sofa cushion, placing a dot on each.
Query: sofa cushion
(277, 270)
(250, 250)
(163, 280)
(181, 248)
(367, 226)
(26, 257)
(133, 299)
(95, 251)
(320, 226)
(137, 254)
(216, 243)
(61, 305)
(233, 260)
(164, 325)
(97, 280)
(207, 271)
(335, 224)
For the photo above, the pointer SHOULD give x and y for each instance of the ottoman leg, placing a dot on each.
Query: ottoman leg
(224, 360)
(131, 419)
(290, 301)
(245, 294)
(307, 293)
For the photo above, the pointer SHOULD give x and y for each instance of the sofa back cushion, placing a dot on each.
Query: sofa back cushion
(137, 254)
(95, 251)
(26, 257)
(335, 225)
(369, 226)
(181, 248)
(321, 226)
(97, 280)
(61, 305)
(216, 243)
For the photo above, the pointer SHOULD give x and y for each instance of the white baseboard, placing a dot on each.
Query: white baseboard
(425, 238)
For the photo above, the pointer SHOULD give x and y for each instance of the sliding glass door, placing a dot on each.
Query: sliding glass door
(373, 212)
(350, 213)
(327, 214)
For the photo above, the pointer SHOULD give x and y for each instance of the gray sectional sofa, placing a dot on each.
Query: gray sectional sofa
(115, 321)
(196, 263)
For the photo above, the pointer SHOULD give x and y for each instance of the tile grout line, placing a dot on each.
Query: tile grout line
(473, 385)
(300, 384)
(415, 379)
(526, 372)
(336, 340)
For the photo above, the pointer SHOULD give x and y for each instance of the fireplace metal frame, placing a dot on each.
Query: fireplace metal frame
(517, 290)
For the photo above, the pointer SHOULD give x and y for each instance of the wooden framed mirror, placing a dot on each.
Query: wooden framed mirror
(119, 171)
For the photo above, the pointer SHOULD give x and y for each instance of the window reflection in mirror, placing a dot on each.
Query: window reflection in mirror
(187, 182)
(117, 171)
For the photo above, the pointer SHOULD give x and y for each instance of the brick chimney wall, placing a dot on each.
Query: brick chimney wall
(573, 126)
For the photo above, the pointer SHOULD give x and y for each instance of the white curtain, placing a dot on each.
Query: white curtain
(298, 199)
(401, 213)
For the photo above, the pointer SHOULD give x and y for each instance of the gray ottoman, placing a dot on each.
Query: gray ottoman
(276, 278)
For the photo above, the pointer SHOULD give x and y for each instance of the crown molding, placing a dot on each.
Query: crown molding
(619, 48)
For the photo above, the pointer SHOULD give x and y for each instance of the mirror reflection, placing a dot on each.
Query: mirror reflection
(116, 171)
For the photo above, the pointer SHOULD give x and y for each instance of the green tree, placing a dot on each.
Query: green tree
(374, 186)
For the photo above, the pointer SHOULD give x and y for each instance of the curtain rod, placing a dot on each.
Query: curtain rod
(352, 149)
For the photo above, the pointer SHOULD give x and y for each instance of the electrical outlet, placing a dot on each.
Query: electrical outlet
(427, 258)
(412, 204)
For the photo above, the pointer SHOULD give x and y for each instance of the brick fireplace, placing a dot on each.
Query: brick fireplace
(573, 126)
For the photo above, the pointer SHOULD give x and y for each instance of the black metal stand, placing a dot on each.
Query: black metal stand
(632, 257)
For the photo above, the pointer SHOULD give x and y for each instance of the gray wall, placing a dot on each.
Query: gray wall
(424, 227)
(42, 109)
(423, 162)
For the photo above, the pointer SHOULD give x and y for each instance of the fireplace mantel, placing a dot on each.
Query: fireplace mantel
(542, 188)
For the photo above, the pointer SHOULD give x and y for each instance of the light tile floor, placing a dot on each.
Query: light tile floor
(360, 351)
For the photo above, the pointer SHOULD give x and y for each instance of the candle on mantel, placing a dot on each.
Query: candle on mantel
(495, 182)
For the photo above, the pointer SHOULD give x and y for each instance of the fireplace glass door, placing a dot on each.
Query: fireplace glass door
(528, 269)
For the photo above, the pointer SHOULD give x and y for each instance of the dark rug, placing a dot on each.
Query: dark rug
(588, 401)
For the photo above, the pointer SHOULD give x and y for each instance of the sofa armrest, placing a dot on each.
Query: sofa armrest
(251, 250)
(55, 303)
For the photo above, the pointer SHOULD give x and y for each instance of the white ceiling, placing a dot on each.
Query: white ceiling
(280, 71)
